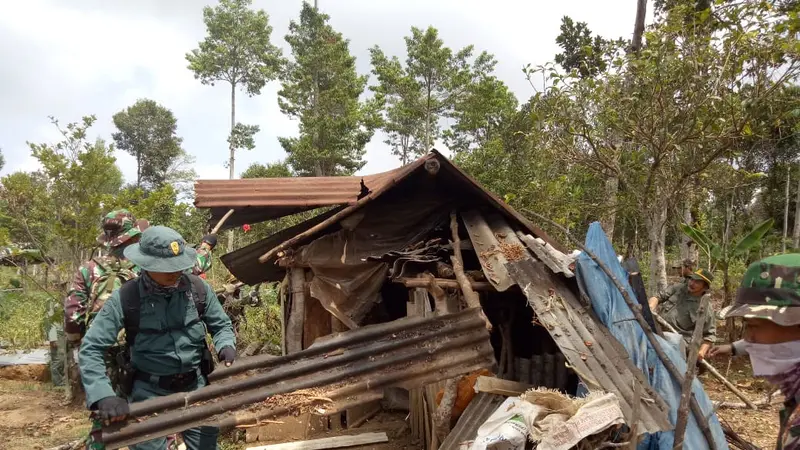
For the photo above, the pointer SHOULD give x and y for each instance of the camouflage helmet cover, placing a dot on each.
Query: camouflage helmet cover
(119, 227)
(770, 290)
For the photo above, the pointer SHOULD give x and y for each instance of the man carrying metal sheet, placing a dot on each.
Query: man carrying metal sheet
(165, 313)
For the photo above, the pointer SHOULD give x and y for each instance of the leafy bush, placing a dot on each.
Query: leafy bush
(23, 318)
(262, 324)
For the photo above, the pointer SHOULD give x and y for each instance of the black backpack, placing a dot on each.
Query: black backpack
(131, 303)
(120, 370)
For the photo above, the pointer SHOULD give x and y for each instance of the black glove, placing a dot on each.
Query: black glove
(227, 355)
(211, 240)
(112, 409)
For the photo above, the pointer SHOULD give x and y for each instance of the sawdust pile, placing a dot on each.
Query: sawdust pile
(512, 252)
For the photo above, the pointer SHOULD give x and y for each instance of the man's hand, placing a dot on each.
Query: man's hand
(227, 355)
(719, 350)
(653, 303)
(112, 409)
(704, 347)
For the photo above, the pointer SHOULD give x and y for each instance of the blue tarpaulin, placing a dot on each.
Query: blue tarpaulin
(610, 307)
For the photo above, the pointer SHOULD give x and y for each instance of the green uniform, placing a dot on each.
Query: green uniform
(170, 341)
(679, 308)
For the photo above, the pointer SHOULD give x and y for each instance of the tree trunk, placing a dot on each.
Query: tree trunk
(786, 212)
(232, 158)
(656, 234)
(796, 233)
(638, 25)
(609, 217)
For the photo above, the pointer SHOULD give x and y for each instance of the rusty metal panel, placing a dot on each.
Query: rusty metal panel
(591, 351)
(480, 408)
(407, 353)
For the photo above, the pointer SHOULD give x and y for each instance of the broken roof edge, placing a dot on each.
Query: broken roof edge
(446, 164)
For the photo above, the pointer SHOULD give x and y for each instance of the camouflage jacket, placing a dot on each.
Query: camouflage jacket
(76, 305)
(203, 263)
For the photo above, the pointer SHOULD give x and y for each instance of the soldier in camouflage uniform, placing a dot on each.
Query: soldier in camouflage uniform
(94, 282)
(769, 301)
(204, 250)
(687, 269)
(678, 305)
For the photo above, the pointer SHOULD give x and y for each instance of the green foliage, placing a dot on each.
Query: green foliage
(23, 318)
(262, 324)
(322, 90)
(427, 88)
(720, 254)
(242, 136)
(77, 178)
(237, 49)
(2, 159)
(580, 51)
(148, 131)
(270, 170)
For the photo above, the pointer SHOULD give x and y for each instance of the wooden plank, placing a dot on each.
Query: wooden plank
(317, 322)
(497, 386)
(328, 443)
(297, 314)
(443, 283)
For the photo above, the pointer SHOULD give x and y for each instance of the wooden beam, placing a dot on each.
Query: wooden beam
(443, 283)
(496, 386)
(327, 443)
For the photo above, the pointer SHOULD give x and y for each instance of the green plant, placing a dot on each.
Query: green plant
(721, 255)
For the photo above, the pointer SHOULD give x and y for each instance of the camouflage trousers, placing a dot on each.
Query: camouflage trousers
(57, 363)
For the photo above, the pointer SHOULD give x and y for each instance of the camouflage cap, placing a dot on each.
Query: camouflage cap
(770, 290)
(702, 275)
(119, 227)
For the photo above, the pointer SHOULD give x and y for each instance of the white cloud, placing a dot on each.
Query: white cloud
(70, 59)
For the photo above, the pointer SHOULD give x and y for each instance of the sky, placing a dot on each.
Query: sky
(71, 58)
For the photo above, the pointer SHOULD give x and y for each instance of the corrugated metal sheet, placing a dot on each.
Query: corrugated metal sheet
(407, 353)
(597, 358)
(256, 200)
(495, 243)
(480, 408)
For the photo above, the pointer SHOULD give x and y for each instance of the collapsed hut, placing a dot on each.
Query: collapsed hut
(426, 240)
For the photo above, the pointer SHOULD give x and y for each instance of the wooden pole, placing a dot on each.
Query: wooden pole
(702, 422)
(470, 296)
(222, 221)
(691, 368)
(711, 369)
(786, 212)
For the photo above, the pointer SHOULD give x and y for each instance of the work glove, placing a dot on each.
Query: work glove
(227, 355)
(112, 409)
(211, 240)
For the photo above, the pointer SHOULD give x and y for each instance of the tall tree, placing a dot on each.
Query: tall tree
(580, 50)
(148, 131)
(79, 177)
(419, 94)
(479, 116)
(269, 170)
(321, 88)
(680, 107)
(238, 51)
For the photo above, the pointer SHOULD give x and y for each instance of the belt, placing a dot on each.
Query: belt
(178, 382)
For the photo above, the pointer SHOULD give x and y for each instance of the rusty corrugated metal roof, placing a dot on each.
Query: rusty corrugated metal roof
(592, 352)
(407, 353)
(480, 408)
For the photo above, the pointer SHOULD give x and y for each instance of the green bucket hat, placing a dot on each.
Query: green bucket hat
(119, 227)
(702, 275)
(161, 250)
(770, 290)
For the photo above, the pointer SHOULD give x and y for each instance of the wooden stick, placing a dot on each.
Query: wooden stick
(470, 296)
(497, 386)
(326, 443)
(691, 369)
(711, 369)
(221, 222)
(702, 422)
(443, 283)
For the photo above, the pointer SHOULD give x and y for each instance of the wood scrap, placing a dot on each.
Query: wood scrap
(294, 327)
(497, 386)
(328, 443)
(691, 370)
(470, 296)
(443, 283)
